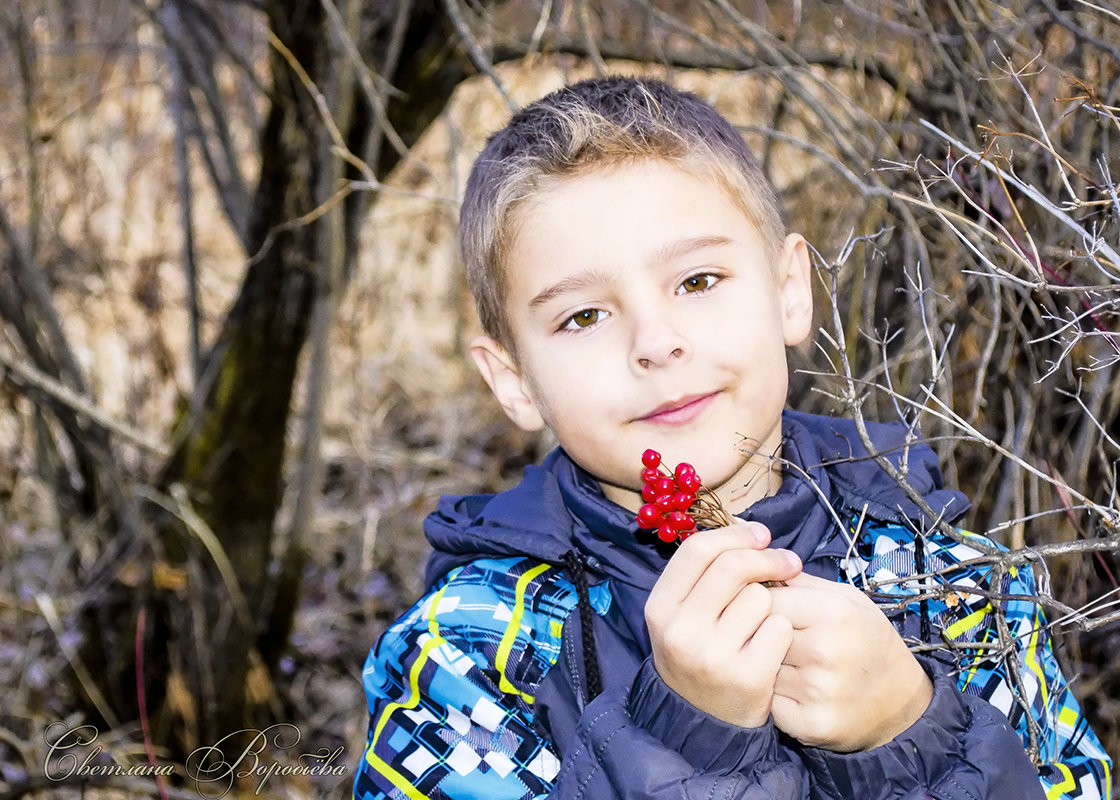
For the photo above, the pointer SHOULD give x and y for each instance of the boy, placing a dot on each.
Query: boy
(638, 290)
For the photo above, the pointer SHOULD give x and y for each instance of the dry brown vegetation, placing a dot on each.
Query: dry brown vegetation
(954, 163)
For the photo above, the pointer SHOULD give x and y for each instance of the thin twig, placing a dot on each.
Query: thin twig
(478, 58)
(83, 405)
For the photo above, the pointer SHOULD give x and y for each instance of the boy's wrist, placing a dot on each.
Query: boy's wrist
(927, 744)
(706, 742)
(908, 713)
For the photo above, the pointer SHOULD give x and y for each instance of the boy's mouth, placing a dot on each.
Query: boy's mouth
(680, 411)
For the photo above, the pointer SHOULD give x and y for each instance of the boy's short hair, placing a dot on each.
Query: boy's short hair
(596, 123)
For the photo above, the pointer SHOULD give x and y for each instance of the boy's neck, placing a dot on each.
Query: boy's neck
(765, 483)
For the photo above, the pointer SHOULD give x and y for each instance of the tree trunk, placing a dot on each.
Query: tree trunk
(230, 456)
(219, 601)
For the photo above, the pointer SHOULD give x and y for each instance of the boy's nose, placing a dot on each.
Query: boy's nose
(646, 363)
(657, 345)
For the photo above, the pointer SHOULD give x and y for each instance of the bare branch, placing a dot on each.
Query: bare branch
(44, 383)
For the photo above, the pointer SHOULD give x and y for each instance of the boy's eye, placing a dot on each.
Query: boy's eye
(698, 283)
(583, 319)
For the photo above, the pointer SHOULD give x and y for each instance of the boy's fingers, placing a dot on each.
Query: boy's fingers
(767, 648)
(734, 548)
(807, 581)
(802, 606)
(753, 535)
(742, 617)
(733, 570)
(807, 601)
(696, 555)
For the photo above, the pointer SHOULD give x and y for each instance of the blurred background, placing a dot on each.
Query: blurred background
(233, 320)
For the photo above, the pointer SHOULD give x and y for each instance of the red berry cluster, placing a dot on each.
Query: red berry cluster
(668, 498)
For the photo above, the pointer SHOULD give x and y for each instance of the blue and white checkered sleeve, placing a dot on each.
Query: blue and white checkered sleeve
(1039, 703)
(1023, 680)
(449, 688)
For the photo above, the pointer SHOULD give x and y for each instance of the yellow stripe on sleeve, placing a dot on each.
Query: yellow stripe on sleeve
(398, 780)
(414, 674)
(510, 635)
(1058, 789)
(1032, 660)
(968, 623)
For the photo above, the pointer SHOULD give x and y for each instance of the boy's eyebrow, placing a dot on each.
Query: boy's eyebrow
(571, 283)
(682, 247)
(666, 252)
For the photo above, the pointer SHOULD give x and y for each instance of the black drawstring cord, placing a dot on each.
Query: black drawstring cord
(923, 605)
(574, 564)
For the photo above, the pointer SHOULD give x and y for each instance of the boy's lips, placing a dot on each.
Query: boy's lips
(679, 412)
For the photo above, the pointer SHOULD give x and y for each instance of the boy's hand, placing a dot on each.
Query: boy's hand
(848, 681)
(715, 641)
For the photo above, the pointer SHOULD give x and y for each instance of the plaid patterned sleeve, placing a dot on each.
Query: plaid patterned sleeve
(450, 686)
(953, 604)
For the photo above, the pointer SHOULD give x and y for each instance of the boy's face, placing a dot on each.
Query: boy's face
(646, 312)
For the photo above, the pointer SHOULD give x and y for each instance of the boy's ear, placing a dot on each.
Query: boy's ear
(499, 370)
(795, 280)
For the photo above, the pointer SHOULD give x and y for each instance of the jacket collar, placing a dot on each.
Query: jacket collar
(559, 507)
(859, 483)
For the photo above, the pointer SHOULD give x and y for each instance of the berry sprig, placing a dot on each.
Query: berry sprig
(676, 502)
